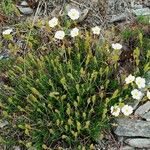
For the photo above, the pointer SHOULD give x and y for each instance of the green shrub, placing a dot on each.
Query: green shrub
(59, 100)
(59, 93)
(143, 20)
(8, 7)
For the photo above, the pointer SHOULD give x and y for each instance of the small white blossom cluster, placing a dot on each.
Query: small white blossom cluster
(53, 22)
(116, 46)
(136, 94)
(126, 110)
(74, 14)
(141, 83)
(96, 30)
(7, 31)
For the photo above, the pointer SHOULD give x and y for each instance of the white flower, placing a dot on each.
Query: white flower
(148, 94)
(7, 32)
(96, 30)
(117, 46)
(59, 35)
(136, 94)
(53, 22)
(74, 32)
(140, 82)
(129, 79)
(115, 110)
(73, 14)
(127, 110)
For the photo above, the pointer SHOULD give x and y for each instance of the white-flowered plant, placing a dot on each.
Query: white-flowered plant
(136, 94)
(127, 110)
(117, 46)
(129, 79)
(115, 110)
(53, 22)
(148, 94)
(74, 14)
(96, 30)
(59, 35)
(140, 82)
(7, 32)
(74, 32)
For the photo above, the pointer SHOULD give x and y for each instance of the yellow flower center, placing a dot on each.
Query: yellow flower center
(127, 110)
(73, 14)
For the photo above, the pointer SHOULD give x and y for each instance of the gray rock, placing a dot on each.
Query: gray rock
(146, 116)
(142, 11)
(135, 104)
(132, 128)
(116, 18)
(127, 148)
(143, 109)
(24, 3)
(122, 148)
(138, 142)
(147, 3)
(25, 10)
(137, 6)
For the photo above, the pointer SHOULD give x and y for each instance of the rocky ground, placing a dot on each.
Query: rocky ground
(128, 133)
(93, 12)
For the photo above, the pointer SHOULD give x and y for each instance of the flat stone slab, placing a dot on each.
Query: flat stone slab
(146, 116)
(138, 142)
(25, 10)
(141, 12)
(123, 148)
(143, 109)
(24, 3)
(137, 6)
(132, 128)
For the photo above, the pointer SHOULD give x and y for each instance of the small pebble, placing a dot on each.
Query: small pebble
(25, 10)
(24, 3)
